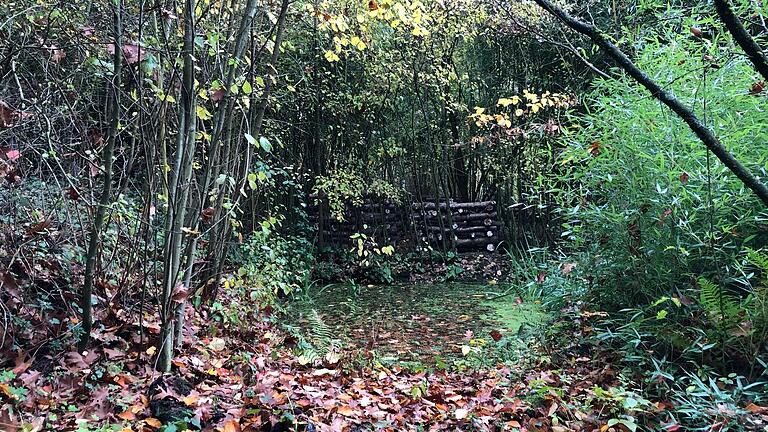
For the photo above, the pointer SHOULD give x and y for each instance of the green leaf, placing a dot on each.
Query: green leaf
(251, 140)
(661, 314)
(265, 144)
(247, 89)
(630, 403)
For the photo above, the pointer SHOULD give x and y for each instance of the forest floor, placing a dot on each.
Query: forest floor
(248, 377)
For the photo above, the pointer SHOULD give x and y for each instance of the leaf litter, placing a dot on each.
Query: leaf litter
(248, 378)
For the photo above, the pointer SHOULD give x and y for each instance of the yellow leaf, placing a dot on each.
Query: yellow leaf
(231, 426)
(191, 400)
(189, 231)
(151, 350)
(153, 422)
(505, 102)
(346, 410)
(203, 113)
(331, 56)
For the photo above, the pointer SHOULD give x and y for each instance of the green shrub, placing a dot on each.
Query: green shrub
(656, 211)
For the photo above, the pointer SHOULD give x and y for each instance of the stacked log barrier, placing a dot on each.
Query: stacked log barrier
(474, 226)
(384, 221)
(465, 226)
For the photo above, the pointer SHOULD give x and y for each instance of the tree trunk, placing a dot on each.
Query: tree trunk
(178, 192)
(106, 193)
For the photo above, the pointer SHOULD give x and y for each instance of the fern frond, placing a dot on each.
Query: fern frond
(717, 302)
(758, 258)
(320, 334)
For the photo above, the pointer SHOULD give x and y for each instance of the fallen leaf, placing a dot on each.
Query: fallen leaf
(595, 148)
(756, 409)
(128, 415)
(58, 54)
(217, 344)
(12, 155)
(191, 399)
(567, 268)
(346, 410)
(8, 422)
(461, 413)
(8, 116)
(231, 426)
(696, 31)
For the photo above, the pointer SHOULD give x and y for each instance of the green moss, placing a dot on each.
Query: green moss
(418, 322)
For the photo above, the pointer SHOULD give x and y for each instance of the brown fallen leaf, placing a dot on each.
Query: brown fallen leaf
(8, 116)
(127, 415)
(346, 410)
(756, 409)
(155, 423)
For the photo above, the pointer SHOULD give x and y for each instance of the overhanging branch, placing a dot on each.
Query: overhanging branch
(742, 37)
(705, 134)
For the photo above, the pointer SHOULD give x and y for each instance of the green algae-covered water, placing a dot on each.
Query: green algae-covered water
(418, 322)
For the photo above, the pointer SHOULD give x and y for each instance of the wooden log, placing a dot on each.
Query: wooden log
(464, 217)
(454, 205)
(378, 206)
(465, 229)
(476, 235)
(490, 247)
(376, 217)
(480, 241)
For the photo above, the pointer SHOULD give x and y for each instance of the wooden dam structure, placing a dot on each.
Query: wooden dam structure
(440, 225)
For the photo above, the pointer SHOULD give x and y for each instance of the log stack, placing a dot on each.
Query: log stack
(469, 226)
(384, 221)
(465, 226)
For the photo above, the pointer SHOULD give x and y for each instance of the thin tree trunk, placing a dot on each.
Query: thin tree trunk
(179, 190)
(106, 193)
(272, 68)
(222, 115)
(221, 252)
